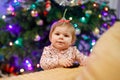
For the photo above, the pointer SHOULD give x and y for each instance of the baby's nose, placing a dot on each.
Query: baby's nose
(61, 36)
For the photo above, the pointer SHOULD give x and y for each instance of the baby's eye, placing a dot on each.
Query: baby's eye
(57, 34)
(66, 35)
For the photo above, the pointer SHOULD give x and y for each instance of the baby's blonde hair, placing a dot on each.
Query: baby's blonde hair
(65, 24)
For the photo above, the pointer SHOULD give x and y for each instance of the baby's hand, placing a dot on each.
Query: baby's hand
(66, 62)
(75, 64)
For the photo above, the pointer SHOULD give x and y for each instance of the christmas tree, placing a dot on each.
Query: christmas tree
(25, 28)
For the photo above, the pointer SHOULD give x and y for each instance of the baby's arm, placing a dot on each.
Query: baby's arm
(81, 58)
(48, 61)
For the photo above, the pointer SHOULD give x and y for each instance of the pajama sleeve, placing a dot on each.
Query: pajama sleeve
(80, 57)
(48, 61)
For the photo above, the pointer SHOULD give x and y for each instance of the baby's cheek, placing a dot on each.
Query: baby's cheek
(69, 40)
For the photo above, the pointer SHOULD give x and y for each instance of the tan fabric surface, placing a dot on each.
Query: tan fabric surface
(53, 74)
(104, 61)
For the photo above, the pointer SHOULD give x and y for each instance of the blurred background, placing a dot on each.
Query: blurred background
(25, 25)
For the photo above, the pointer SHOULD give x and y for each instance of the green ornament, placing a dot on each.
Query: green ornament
(19, 42)
(33, 6)
(83, 20)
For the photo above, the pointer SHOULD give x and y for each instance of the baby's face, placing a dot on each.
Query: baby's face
(61, 38)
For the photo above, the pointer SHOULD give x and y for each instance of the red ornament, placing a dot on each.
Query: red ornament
(45, 12)
(48, 5)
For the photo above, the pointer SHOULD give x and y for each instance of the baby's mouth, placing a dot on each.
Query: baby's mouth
(60, 42)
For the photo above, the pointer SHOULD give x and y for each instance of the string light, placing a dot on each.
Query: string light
(34, 13)
(22, 70)
(93, 42)
(11, 43)
(106, 8)
(94, 5)
(10, 26)
(99, 16)
(70, 18)
(37, 38)
(3, 17)
(38, 65)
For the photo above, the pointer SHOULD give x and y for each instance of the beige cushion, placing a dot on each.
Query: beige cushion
(53, 74)
(104, 61)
